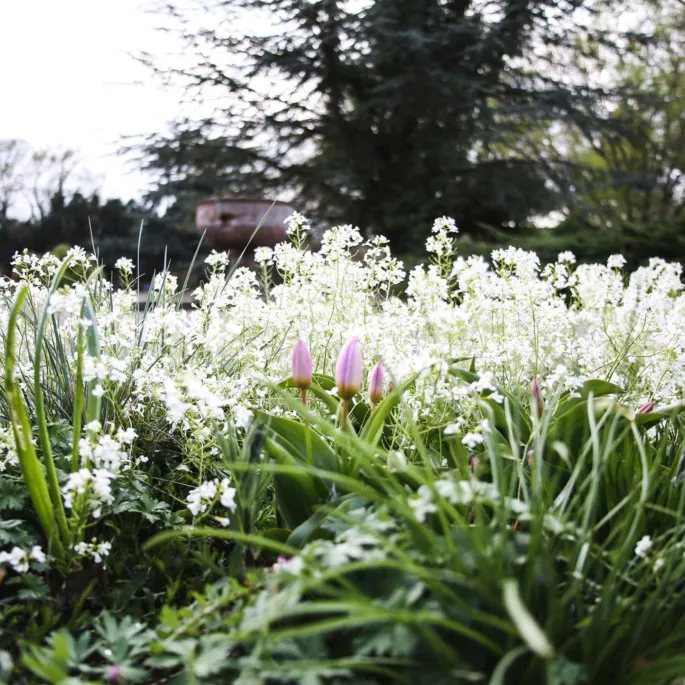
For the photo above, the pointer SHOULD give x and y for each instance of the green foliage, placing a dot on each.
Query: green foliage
(629, 174)
(548, 552)
(393, 112)
(591, 243)
(112, 228)
(527, 576)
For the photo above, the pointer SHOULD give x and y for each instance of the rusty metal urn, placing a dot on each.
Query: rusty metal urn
(231, 221)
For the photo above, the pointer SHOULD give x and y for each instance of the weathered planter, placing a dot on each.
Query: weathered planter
(230, 222)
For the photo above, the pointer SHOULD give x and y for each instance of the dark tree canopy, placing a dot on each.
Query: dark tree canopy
(382, 113)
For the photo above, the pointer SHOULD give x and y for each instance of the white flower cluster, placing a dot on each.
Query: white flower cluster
(104, 456)
(95, 550)
(20, 559)
(193, 396)
(203, 498)
(68, 302)
(562, 324)
(455, 492)
(124, 265)
(362, 541)
(104, 368)
(643, 546)
(264, 255)
(8, 449)
(297, 223)
(441, 243)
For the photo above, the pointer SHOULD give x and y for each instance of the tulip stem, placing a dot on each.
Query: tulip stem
(303, 396)
(344, 413)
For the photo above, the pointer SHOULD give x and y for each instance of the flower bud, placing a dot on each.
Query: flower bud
(376, 378)
(114, 675)
(646, 408)
(348, 370)
(302, 365)
(536, 395)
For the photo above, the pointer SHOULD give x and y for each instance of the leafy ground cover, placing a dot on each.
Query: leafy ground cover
(316, 481)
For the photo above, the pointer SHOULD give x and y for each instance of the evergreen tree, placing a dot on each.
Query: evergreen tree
(383, 113)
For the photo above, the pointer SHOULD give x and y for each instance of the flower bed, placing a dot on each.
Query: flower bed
(321, 482)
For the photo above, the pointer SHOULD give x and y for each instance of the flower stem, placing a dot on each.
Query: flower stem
(343, 415)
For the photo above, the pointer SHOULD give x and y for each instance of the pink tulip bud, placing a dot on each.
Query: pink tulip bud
(646, 408)
(376, 378)
(536, 395)
(348, 370)
(302, 365)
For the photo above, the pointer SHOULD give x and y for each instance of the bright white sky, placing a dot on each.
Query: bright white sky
(67, 80)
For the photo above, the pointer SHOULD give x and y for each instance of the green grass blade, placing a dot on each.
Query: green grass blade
(31, 468)
(43, 434)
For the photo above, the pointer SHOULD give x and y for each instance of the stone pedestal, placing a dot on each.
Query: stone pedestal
(230, 222)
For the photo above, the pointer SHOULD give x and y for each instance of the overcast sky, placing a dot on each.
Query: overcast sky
(66, 79)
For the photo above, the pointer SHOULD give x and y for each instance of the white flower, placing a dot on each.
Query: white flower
(263, 255)
(422, 503)
(202, 497)
(242, 417)
(19, 560)
(38, 554)
(228, 494)
(165, 280)
(616, 261)
(93, 549)
(293, 566)
(472, 439)
(217, 259)
(127, 436)
(643, 546)
(124, 265)
(296, 222)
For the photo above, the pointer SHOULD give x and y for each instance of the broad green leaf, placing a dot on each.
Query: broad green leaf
(309, 445)
(296, 493)
(463, 374)
(599, 388)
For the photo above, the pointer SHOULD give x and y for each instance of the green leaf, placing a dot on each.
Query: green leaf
(213, 658)
(463, 374)
(39, 408)
(373, 428)
(31, 468)
(308, 445)
(319, 389)
(527, 626)
(599, 388)
(304, 532)
(500, 672)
